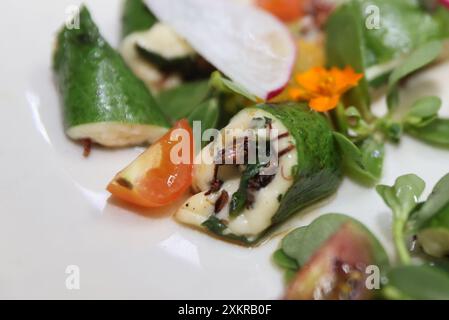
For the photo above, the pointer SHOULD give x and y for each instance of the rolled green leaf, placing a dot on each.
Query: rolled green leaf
(102, 99)
(246, 203)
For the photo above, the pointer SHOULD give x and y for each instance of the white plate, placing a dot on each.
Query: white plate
(54, 211)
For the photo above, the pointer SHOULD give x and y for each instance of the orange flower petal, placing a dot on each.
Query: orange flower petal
(312, 79)
(323, 88)
(345, 79)
(323, 104)
(298, 94)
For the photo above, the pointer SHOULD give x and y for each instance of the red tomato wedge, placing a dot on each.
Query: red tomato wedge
(286, 10)
(161, 174)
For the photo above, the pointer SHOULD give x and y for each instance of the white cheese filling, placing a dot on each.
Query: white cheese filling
(256, 218)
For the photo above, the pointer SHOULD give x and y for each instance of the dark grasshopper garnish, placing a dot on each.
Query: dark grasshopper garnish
(221, 201)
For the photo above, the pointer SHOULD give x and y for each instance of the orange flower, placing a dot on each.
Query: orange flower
(323, 88)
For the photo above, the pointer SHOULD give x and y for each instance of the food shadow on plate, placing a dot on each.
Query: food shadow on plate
(150, 213)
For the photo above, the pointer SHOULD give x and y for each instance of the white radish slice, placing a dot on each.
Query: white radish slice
(248, 45)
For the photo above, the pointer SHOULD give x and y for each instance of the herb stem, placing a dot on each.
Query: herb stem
(398, 235)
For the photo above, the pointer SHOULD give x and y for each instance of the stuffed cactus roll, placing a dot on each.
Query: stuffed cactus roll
(155, 52)
(268, 163)
(103, 100)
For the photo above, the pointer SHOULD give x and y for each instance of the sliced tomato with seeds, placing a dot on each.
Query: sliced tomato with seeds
(161, 174)
(337, 270)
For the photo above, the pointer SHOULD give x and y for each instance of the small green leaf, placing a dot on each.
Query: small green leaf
(351, 121)
(423, 112)
(136, 17)
(437, 201)
(214, 225)
(417, 282)
(220, 83)
(403, 196)
(218, 227)
(392, 129)
(393, 98)
(435, 133)
(179, 102)
(373, 153)
(353, 113)
(431, 221)
(289, 275)
(239, 198)
(364, 163)
(284, 261)
(351, 153)
(418, 59)
(303, 242)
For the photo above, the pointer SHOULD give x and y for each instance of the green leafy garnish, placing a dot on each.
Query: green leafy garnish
(431, 220)
(136, 17)
(222, 84)
(423, 112)
(402, 198)
(284, 261)
(435, 133)
(303, 242)
(239, 199)
(417, 282)
(218, 227)
(376, 51)
(363, 163)
(420, 58)
(179, 102)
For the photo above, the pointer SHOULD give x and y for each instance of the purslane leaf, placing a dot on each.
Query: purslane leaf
(417, 282)
(423, 111)
(418, 59)
(430, 221)
(284, 261)
(435, 133)
(403, 196)
(363, 163)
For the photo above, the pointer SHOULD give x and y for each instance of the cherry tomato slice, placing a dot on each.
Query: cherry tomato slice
(161, 174)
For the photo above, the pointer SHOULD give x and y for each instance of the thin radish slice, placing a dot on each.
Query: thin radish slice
(445, 3)
(248, 45)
